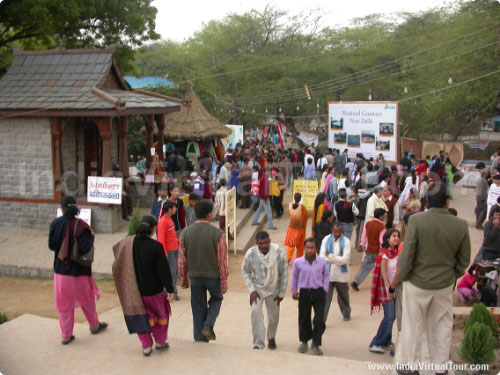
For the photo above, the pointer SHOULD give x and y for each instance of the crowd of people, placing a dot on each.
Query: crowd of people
(415, 260)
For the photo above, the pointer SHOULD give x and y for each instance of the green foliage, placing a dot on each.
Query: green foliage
(3, 318)
(376, 54)
(136, 142)
(478, 345)
(42, 24)
(135, 221)
(480, 314)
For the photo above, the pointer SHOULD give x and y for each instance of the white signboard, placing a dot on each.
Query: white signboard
(85, 214)
(104, 190)
(370, 128)
(235, 136)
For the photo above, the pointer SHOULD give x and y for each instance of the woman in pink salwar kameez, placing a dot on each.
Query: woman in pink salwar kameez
(74, 285)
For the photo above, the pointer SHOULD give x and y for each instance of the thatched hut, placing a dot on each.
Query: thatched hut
(192, 131)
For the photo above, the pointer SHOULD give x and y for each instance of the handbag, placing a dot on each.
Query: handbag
(275, 190)
(82, 259)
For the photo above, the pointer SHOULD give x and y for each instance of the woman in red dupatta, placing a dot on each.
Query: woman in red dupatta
(382, 293)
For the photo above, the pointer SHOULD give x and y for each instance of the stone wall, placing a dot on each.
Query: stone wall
(26, 158)
(39, 216)
(142, 194)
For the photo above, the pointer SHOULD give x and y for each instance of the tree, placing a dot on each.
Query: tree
(42, 24)
(246, 67)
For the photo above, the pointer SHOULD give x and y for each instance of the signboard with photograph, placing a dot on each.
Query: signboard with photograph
(104, 190)
(370, 128)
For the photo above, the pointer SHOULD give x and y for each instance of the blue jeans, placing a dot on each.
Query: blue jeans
(264, 205)
(348, 230)
(289, 178)
(366, 267)
(384, 333)
(204, 314)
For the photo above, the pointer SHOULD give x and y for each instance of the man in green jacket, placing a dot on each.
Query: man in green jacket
(436, 253)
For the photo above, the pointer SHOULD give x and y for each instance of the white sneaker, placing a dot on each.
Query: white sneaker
(376, 349)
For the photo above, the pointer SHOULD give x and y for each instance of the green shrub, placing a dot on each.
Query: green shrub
(3, 318)
(135, 221)
(478, 345)
(480, 314)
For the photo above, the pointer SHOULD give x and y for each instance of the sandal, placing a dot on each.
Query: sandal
(67, 341)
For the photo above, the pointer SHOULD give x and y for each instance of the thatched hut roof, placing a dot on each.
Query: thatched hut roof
(193, 121)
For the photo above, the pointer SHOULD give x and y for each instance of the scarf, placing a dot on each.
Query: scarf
(270, 262)
(126, 285)
(329, 250)
(69, 237)
(379, 295)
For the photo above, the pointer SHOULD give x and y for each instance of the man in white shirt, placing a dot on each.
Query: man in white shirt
(308, 156)
(336, 250)
(322, 161)
(493, 194)
(265, 272)
(374, 202)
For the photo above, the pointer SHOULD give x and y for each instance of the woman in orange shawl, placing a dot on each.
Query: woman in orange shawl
(296, 233)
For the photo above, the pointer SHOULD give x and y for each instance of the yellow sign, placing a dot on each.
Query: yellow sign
(308, 189)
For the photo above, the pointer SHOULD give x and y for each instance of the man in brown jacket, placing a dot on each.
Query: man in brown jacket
(371, 239)
(436, 253)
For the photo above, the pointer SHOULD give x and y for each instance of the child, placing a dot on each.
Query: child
(310, 282)
(465, 286)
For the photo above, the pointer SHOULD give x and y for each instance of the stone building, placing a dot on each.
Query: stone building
(63, 117)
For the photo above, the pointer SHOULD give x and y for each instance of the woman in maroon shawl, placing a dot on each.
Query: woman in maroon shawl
(74, 285)
(142, 274)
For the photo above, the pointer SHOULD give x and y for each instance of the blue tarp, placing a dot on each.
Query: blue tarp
(145, 82)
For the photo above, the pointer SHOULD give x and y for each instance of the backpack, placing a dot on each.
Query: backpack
(332, 192)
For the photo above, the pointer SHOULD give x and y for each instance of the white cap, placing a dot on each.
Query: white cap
(193, 174)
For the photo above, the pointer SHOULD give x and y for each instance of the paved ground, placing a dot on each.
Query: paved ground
(30, 344)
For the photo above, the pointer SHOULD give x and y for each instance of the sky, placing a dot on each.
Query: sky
(178, 20)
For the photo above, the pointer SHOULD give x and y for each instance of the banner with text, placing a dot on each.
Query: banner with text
(370, 128)
(308, 189)
(308, 138)
(104, 190)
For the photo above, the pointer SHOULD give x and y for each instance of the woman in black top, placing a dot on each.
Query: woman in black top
(153, 277)
(179, 217)
(73, 283)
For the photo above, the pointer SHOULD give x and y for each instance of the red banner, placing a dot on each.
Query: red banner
(280, 133)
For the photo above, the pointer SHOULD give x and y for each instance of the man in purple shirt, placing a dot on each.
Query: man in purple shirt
(310, 280)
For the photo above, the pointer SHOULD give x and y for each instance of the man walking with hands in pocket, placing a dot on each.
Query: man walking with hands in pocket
(265, 271)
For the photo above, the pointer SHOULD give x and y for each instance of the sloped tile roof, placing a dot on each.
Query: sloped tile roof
(63, 80)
